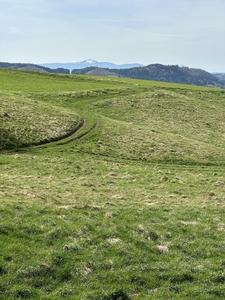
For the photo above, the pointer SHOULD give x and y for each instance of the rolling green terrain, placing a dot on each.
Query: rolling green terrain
(110, 188)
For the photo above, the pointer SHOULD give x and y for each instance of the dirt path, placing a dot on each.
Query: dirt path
(79, 137)
(70, 137)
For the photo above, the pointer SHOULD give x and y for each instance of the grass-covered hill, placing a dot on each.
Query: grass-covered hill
(25, 122)
(110, 188)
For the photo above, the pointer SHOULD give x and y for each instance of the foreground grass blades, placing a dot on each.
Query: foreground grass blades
(130, 207)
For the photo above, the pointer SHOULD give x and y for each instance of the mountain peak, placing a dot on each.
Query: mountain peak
(89, 61)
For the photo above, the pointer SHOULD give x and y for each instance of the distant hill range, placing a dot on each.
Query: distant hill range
(89, 63)
(32, 67)
(158, 72)
(170, 73)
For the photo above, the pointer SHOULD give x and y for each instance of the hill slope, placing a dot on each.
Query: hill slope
(24, 122)
(169, 125)
(132, 208)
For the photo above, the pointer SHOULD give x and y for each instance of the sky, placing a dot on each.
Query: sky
(187, 33)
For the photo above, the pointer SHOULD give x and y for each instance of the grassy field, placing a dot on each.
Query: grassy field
(110, 188)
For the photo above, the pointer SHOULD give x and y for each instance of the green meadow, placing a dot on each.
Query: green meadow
(110, 188)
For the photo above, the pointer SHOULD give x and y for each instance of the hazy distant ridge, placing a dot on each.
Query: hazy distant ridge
(32, 67)
(89, 63)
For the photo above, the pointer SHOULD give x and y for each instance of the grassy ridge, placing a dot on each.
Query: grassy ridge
(24, 122)
(165, 125)
(134, 210)
(29, 82)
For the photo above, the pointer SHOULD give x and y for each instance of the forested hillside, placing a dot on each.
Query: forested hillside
(159, 72)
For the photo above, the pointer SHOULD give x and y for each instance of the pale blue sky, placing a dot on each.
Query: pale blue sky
(183, 32)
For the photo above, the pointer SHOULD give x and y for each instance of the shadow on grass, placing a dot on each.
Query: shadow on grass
(8, 141)
(118, 295)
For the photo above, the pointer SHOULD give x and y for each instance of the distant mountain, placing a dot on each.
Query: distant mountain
(32, 67)
(170, 73)
(89, 63)
(221, 76)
